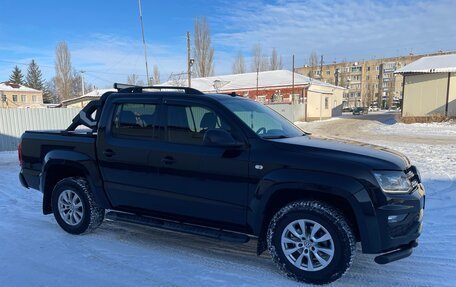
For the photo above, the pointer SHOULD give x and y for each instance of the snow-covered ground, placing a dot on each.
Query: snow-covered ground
(431, 129)
(36, 252)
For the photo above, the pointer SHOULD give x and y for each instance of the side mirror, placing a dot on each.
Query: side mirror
(220, 137)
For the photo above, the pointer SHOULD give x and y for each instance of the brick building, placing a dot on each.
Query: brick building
(321, 100)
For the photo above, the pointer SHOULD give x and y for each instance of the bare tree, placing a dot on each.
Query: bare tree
(156, 79)
(239, 64)
(276, 61)
(76, 84)
(178, 80)
(313, 63)
(133, 79)
(63, 76)
(203, 52)
(259, 61)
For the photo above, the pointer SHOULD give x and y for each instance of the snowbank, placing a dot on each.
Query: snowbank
(430, 129)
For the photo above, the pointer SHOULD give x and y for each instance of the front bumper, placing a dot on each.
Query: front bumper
(401, 220)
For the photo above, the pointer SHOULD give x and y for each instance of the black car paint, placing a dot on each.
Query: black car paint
(221, 186)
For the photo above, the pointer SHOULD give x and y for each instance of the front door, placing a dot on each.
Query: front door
(201, 181)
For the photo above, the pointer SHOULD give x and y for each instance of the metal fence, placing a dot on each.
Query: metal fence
(13, 123)
(293, 112)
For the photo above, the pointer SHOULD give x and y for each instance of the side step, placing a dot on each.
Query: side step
(396, 255)
(179, 227)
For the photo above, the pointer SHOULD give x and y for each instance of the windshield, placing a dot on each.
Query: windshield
(262, 120)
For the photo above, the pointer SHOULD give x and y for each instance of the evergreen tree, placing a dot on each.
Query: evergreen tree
(34, 77)
(17, 77)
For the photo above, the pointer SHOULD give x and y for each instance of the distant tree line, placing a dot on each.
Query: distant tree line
(66, 84)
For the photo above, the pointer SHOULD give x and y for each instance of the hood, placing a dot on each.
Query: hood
(373, 156)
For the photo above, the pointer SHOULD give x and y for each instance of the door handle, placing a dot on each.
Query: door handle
(168, 160)
(108, 152)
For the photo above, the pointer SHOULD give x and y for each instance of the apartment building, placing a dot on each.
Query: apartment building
(19, 96)
(368, 82)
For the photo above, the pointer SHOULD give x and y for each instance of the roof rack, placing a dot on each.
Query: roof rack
(126, 88)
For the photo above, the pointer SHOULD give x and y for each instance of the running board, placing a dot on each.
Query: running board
(179, 227)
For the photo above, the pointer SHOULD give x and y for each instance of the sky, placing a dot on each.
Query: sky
(104, 36)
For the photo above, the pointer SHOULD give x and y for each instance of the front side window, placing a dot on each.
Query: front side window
(262, 120)
(186, 124)
(14, 98)
(135, 120)
(23, 98)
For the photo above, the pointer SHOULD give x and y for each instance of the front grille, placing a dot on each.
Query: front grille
(413, 176)
(411, 224)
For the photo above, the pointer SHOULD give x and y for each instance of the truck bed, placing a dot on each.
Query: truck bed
(36, 144)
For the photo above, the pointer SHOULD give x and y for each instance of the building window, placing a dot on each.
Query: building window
(377, 68)
(356, 69)
(14, 98)
(23, 98)
(328, 72)
(326, 103)
(34, 98)
(367, 78)
(317, 72)
(368, 68)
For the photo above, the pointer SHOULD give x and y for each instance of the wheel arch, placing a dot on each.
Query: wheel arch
(62, 164)
(341, 192)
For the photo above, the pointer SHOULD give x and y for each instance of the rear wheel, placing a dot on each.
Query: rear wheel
(73, 206)
(311, 241)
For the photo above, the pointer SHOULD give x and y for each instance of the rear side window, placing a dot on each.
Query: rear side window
(135, 120)
(187, 124)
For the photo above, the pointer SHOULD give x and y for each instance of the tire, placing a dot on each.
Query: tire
(335, 249)
(74, 207)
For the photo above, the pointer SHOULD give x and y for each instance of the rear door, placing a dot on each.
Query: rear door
(200, 181)
(128, 152)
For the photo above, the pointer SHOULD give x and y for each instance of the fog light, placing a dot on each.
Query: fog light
(396, 218)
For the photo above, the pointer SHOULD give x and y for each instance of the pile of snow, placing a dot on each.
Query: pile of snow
(430, 129)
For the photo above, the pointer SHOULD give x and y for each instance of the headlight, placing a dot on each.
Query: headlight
(393, 181)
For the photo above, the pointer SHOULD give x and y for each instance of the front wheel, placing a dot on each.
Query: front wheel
(74, 207)
(311, 241)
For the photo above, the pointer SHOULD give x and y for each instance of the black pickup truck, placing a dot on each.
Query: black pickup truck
(230, 168)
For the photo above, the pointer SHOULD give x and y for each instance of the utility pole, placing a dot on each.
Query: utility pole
(292, 81)
(258, 71)
(144, 42)
(321, 95)
(321, 68)
(82, 81)
(189, 64)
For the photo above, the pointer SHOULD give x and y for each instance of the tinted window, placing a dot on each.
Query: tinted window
(137, 120)
(187, 124)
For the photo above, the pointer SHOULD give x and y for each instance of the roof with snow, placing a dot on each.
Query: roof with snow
(432, 64)
(225, 83)
(12, 87)
(93, 95)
